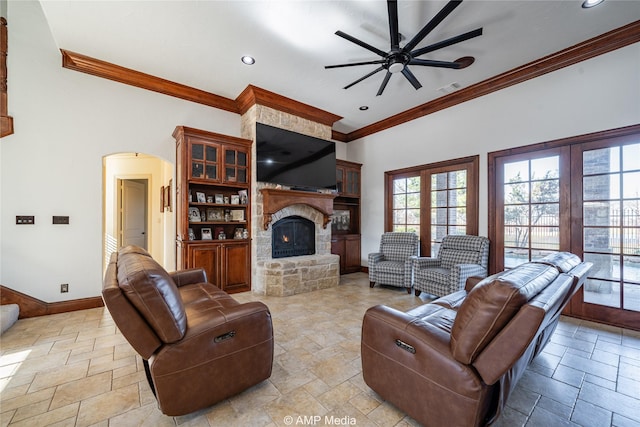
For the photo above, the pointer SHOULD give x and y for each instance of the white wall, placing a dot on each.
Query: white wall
(598, 94)
(65, 122)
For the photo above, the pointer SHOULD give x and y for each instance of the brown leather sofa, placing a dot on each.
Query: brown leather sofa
(456, 360)
(199, 345)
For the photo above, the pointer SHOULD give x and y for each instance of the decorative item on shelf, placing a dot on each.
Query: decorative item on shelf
(238, 233)
(235, 199)
(192, 235)
(226, 200)
(214, 214)
(201, 197)
(243, 197)
(245, 233)
(203, 216)
(227, 215)
(222, 236)
(190, 197)
(219, 198)
(194, 214)
(219, 231)
(237, 215)
(206, 234)
(209, 199)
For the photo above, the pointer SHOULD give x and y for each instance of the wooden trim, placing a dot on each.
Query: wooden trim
(273, 200)
(339, 136)
(32, 307)
(6, 122)
(85, 64)
(253, 95)
(596, 46)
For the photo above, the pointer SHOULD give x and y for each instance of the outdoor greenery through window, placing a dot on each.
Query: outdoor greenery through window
(406, 204)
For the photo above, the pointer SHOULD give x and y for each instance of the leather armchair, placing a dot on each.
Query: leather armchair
(199, 345)
(459, 257)
(392, 264)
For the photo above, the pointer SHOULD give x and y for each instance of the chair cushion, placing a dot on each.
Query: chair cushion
(492, 303)
(395, 267)
(563, 261)
(152, 291)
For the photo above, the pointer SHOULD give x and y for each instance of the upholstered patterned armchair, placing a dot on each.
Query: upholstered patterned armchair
(459, 257)
(392, 264)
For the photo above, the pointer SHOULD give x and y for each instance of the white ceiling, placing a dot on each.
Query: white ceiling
(199, 44)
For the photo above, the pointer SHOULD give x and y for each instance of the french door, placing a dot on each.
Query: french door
(583, 196)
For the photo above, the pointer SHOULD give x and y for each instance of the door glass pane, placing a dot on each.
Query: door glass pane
(631, 185)
(531, 209)
(601, 187)
(604, 266)
(242, 158)
(439, 181)
(439, 216)
(630, 156)
(600, 213)
(242, 175)
(631, 296)
(602, 292)
(196, 169)
(400, 201)
(631, 269)
(458, 179)
(603, 160)
(230, 157)
(406, 204)
(211, 172)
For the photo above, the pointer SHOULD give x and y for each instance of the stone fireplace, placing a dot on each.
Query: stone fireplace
(287, 275)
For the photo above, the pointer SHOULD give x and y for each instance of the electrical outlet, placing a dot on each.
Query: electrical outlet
(64, 288)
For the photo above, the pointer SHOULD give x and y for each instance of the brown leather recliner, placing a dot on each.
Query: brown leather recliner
(456, 360)
(199, 345)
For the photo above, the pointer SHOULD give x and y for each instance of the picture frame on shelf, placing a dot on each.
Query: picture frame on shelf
(219, 199)
(235, 199)
(209, 199)
(200, 197)
(215, 214)
(219, 232)
(206, 234)
(237, 214)
(194, 214)
(242, 194)
(192, 235)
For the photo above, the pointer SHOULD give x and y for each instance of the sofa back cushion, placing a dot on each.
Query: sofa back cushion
(492, 303)
(152, 291)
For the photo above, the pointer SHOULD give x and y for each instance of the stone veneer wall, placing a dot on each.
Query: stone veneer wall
(291, 275)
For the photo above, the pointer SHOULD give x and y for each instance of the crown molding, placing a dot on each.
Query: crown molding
(253, 95)
(86, 64)
(596, 46)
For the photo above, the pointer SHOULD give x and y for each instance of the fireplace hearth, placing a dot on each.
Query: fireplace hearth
(293, 236)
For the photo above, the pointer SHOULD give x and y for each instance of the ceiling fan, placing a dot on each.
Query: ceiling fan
(399, 58)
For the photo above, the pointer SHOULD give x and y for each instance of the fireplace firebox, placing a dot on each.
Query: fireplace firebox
(293, 236)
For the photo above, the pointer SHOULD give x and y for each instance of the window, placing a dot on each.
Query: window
(434, 200)
(581, 195)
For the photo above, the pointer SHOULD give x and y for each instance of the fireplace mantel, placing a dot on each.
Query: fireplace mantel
(275, 199)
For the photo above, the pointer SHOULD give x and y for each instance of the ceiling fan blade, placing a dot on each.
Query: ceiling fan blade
(392, 7)
(364, 77)
(431, 63)
(384, 83)
(361, 43)
(446, 10)
(448, 42)
(412, 79)
(353, 64)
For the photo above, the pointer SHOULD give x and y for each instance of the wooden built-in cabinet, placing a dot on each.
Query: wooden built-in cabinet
(213, 194)
(345, 223)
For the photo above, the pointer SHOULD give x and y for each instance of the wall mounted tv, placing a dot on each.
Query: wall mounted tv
(295, 160)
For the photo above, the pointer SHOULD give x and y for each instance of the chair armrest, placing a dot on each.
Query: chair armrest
(425, 262)
(211, 333)
(189, 277)
(461, 272)
(375, 257)
(432, 360)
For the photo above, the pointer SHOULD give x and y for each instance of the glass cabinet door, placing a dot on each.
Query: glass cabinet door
(236, 166)
(204, 161)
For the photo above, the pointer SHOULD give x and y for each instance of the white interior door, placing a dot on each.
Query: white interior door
(134, 213)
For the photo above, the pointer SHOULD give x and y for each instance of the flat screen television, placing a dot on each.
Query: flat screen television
(295, 160)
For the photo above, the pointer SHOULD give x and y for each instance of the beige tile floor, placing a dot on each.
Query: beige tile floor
(75, 369)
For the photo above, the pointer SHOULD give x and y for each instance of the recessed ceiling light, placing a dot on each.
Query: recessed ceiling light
(363, 108)
(590, 3)
(248, 60)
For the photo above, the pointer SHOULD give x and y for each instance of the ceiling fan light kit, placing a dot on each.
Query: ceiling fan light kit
(398, 59)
